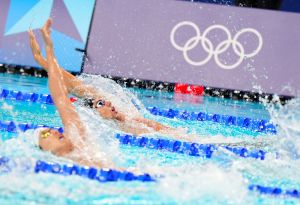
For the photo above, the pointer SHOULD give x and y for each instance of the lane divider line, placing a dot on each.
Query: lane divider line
(247, 123)
(101, 175)
(192, 149)
(104, 175)
(228, 120)
(188, 148)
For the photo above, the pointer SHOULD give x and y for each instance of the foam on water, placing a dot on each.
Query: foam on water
(121, 98)
(287, 118)
(209, 182)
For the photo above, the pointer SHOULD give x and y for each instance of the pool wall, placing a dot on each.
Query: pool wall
(134, 41)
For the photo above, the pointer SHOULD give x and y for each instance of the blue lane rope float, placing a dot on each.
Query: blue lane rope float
(101, 175)
(111, 175)
(275, 191)
(25, 96)
(247, 123)
(189, 148)
(192, 149)
(10, 126)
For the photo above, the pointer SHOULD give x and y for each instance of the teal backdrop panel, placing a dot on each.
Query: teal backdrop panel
(71, 22)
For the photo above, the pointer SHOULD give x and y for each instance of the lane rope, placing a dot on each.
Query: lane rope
(275, 191)
(101, 175)
(11, 126)
(188, 148)
(7, 165)
(228, 120)
(176, 146)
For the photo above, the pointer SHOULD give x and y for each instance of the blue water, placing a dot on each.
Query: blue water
(187, 180)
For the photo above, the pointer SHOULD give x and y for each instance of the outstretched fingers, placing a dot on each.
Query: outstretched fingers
(36, 51)
(34, 44)
(46, 31)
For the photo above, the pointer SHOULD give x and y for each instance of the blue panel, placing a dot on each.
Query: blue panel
(17, 10)
(20, 15)
(65, 52)
(35, 18)
(82, 18)
(290, 5)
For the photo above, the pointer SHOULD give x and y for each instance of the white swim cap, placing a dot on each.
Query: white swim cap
(36, 135)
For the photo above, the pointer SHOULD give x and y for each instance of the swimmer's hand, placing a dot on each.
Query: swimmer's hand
(33, 44)
(36, 51)
(46, 32)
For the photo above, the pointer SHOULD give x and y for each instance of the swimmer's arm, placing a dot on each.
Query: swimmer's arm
(74, 85)
(175, 133)
(68, 114)
(36, 51)
(152, 124)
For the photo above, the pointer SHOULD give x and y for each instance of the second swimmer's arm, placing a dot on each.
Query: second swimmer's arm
(152, 124)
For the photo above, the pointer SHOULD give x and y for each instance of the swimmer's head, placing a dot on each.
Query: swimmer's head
(104, 108)
(53, 141)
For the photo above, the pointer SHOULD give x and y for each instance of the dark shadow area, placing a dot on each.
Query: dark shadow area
(262, 4)
(281, 5)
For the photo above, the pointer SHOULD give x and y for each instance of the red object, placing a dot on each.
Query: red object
(181, 88)
(73, 99)
(197, 90)
(189, 89)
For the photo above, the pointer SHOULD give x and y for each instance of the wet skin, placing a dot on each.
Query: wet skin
(106, 110)
(55, 142)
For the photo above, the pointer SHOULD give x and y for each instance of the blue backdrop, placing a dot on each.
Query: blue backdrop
(71, 21)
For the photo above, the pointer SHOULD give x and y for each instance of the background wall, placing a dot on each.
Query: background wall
(132, 39)
(70, 29)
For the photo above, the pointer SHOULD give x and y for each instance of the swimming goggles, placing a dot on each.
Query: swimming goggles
(100, 103)
(89, 102)
(45, 133)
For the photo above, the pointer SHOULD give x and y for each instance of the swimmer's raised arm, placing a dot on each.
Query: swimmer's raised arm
(68, 114)
(74, 85)
(36, 51)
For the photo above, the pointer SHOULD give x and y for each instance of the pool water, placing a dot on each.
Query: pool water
(223, 178)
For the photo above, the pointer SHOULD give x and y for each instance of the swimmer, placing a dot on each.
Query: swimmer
(51, 140)
(73, 144)
(95, 100)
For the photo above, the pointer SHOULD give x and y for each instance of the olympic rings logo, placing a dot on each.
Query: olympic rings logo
(212, 51)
